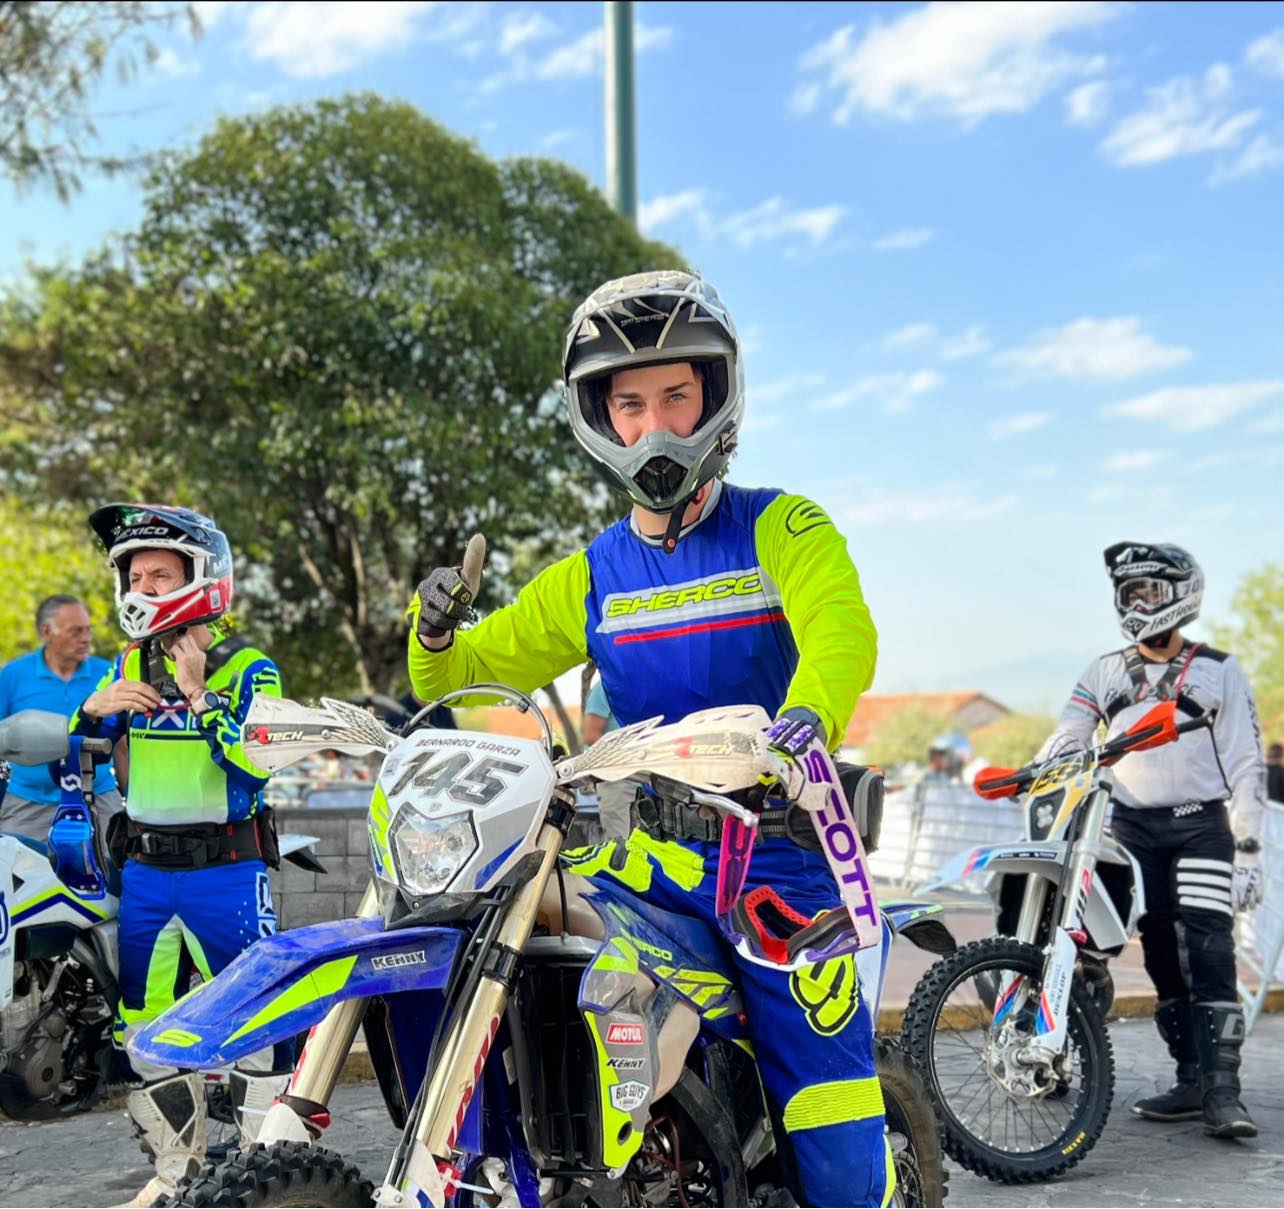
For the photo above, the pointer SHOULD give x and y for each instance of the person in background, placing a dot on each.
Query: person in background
(57, 677)
(614, 801)
(1275, 773)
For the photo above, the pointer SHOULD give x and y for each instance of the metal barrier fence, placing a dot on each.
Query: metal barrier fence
(1260, 936)
(927, 824)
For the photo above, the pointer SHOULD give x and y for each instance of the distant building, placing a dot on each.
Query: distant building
(963, 711)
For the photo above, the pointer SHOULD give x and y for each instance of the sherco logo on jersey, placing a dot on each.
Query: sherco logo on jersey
(748, 584)
(625, 1034)
(728, 592)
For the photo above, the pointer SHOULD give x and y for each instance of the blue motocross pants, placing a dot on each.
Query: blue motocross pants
(174, 919)
(812, 1033)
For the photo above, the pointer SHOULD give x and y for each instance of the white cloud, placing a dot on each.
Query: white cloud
(1087, 104)
(1015, 426)
(938, 503)
(1185, 116)
(660, 211)
(970, 342)
(1261, 155)
(904, 240)
(556, 138)
(520, 28)
(1100, 349)
(574, 60)
(1134, 459)
(1266, 53)
(211, 12)
(784, 389)
(910, 336)
(315, 40)
(1271, 423)
(776, 217)
(1194, 408)
(170, 63)
(896, 392)
(926, 337)
(966, 61)
(805, 98)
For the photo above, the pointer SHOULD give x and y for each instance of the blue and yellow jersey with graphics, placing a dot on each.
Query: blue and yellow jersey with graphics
(759, 604)
(180, 772)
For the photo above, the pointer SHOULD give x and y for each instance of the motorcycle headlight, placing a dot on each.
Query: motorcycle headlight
(429, 852)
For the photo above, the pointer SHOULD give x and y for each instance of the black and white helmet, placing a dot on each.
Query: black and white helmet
(1158, 588)
(648, 319)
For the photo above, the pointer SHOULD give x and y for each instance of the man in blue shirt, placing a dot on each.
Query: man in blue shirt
(56, 677)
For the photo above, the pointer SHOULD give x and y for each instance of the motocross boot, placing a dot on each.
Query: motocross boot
(1183, 1101)
(1219, 1036)
(169, 1119)
(253, 1093)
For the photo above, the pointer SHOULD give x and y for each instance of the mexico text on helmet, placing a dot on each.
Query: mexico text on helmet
(649, 319)
(206, 594)
(1158, 588)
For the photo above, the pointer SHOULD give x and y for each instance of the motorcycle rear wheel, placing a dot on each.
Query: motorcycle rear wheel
(915, 1133)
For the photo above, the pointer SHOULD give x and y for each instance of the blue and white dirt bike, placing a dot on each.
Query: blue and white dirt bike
(58, 961)
(535, 1043)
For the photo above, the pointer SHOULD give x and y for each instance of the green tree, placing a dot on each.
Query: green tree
(905, 735)
(337, 330)
(53, 53)
(43, 554)
(1013, 740)
(1256, 638)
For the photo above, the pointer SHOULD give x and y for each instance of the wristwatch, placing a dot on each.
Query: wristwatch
(204, 703)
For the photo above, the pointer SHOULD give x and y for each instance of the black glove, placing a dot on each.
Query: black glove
(447, 595)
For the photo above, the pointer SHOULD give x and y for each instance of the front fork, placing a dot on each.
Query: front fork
(1062, 947)
(424, 1172)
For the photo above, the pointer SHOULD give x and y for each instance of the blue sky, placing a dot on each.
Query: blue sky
(1010, 277)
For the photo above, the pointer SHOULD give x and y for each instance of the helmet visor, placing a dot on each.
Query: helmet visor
(1144, 595)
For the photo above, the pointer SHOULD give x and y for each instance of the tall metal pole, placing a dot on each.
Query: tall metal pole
(621, 124)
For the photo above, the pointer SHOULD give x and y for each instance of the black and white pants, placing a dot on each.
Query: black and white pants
(1186, 854)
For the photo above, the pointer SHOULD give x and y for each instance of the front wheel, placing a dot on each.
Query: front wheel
(1009, 1114)
(285, 1173)
(912, 1128)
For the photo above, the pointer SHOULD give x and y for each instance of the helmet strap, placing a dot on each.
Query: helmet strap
(673, 530)
(152, 656)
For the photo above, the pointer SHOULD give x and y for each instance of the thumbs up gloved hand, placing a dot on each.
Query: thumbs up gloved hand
(445, 598)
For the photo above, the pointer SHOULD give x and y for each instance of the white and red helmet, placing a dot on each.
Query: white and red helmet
(124, 529)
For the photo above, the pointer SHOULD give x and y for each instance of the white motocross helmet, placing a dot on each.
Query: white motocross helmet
(648, 319)
(1158, 588)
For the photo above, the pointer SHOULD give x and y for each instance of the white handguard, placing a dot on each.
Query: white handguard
(279, 732)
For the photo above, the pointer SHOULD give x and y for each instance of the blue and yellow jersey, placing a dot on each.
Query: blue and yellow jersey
(180, 772)
(759, 604)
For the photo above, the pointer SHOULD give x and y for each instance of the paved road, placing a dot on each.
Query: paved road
(90, 1160)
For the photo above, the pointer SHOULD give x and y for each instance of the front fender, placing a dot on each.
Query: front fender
(990, 858)
(286, 983)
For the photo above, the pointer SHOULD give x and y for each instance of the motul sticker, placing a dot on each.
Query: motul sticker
(625, 1034)
(628, 1096)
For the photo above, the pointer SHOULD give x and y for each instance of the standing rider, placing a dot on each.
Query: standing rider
(1198, 860)
(195, 886)
(705, 595)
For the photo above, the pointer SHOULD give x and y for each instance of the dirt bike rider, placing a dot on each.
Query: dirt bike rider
(1198, 860)
(195, 886)
(706, 594)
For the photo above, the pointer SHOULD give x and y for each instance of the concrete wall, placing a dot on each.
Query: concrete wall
(303, 897)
